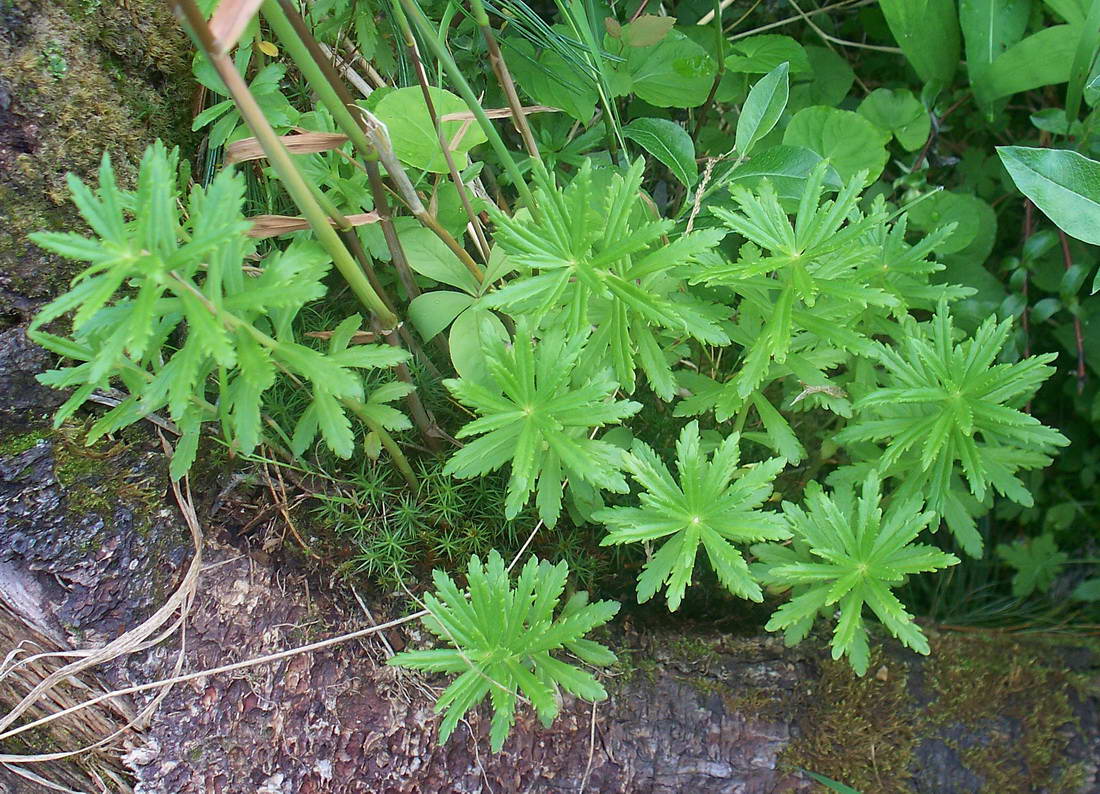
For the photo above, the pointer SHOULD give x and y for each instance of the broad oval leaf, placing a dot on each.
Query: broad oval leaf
(786, 167)
(433, 311)
(968, 213)
(676, 73)
(549, 79)
(1063, 184)
(899, 113)
(849, 141)
(928, 33)
(414, 139)
(468, 345)
(761, 111)
(764, 53)
(668, 142)
(429, 256)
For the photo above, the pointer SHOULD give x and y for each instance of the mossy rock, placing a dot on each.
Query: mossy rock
(77, 78)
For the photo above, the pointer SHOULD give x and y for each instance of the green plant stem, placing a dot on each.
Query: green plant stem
(701, 117)
(368, 139)
(456, 178)
(284, 166)
(436, 45)
(296, 48)
(504, 77)
(391, 446)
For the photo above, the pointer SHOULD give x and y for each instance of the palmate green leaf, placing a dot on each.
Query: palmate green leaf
(597, 261)
(950, 410)
(502, 636)
(849, 553)
(814, 279)
(711, 504)
(1037, 562)
(168, 310)
(539, 420)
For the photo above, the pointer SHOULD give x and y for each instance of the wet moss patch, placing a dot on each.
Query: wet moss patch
(859, 731)
(1011, 698)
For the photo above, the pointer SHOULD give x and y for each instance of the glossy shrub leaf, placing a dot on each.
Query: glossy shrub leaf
(668, 142)
(410, 126)
(1063, 184)
(846, 139)
(764, 53)
(761, 111)
(1043, 58)
(786, 167)
(928, 33)
(899, 113)
(990, 27)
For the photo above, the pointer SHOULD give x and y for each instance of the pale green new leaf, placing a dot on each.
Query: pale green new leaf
(502, 637)
(849, 553)
(711, 504)
(540, 420)
(948, 410)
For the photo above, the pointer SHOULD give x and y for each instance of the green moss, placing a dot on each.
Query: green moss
(1005, 690)
(17, 444)
(90, 476)
(84, 78)
(859, 731)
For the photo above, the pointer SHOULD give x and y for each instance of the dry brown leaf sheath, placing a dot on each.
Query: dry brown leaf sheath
(301, 143)
(229, 21)
(264, 226)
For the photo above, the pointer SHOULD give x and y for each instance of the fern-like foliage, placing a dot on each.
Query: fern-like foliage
(946, 410)
(848, 554)
(599, 261)
(168, 309)
(502, 640)
(713, 505)
(540, 420)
